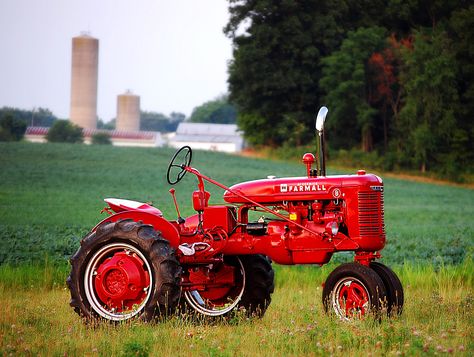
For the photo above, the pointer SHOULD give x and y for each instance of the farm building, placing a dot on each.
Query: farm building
(206, 136)
(118, 137)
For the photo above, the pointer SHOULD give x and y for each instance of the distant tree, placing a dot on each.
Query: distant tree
(11, 129)
(42, 117)
(345, 78)
(176, 117)
(461, 31)
(65, 131)
(275, 72)
(384, 81)
(110, 125)
(218, 111)
(152, 121)
(35, 117)
(429, 128)
(101, 139)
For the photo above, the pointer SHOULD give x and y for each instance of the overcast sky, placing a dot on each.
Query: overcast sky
(172, 53)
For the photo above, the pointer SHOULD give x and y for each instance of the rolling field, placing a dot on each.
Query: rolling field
(51, 195)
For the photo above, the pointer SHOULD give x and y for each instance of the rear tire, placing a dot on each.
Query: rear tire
(353, 291)
(124, 270)
(254, 284)
(393, 286)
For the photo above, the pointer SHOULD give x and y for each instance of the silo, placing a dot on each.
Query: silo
(128, 112)
(84, 71)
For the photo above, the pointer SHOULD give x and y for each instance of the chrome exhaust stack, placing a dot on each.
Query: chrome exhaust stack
(320, 158)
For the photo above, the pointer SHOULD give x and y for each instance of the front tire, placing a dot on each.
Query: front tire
(124, 270)
(393, 286)
(353, 291)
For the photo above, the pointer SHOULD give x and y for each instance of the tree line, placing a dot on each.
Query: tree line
(14, 121)
(397, 77)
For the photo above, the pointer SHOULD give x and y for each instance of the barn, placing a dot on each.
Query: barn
(207, 136)
(117, 137)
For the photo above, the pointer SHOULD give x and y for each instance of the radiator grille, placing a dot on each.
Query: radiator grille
(371, 212)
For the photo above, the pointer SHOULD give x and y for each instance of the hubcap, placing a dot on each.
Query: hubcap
(219, 300)
(350, 298)
(117, 281)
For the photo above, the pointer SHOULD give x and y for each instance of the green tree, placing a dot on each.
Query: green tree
(66, 132)
(101, 138)
(274, 73)
(11, 129)
(110, 125)
(461, 30)
(35, 117)
(428, 130)
(218, 111)
(152, 121)
(276, 67)
(345, 78)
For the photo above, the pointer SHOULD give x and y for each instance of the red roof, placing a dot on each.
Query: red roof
(114, 134)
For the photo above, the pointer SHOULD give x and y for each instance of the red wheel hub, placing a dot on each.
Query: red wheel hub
(215, 286)
(122, 281)
(354, 298)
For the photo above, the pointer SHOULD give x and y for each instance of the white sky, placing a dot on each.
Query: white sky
(172, 53)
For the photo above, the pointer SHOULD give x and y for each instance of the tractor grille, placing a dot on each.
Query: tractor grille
(371, 220)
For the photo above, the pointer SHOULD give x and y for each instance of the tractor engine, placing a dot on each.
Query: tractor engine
(323, 215)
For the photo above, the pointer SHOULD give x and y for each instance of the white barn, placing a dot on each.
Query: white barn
(207, 136)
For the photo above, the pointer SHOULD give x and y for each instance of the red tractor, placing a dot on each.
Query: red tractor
(137, 264)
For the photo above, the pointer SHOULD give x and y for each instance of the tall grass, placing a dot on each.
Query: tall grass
(437, 319)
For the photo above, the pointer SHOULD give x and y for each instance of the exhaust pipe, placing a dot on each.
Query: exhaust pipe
(320, 158)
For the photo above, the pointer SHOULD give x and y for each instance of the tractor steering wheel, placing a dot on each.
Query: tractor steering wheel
(183, 155)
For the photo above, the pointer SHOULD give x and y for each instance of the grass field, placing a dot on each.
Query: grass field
(437, 319)
(51, 195)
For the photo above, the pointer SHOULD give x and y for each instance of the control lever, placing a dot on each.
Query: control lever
(180, 219)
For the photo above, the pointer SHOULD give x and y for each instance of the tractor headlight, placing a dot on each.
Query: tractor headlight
(332, 228)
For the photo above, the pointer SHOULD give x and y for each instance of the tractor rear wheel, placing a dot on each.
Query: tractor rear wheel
(354, 291)
(393, 286)
(124, 270)
(251, 291)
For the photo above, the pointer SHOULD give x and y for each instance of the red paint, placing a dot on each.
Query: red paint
(307, 220)
(121, 280)
(354, 299)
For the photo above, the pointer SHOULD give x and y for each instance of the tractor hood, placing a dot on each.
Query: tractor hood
(298, 188)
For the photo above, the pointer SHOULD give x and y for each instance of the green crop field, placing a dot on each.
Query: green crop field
(51, 195)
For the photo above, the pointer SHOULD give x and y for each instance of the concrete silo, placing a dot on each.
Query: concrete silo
(128, 112)
(85, 61)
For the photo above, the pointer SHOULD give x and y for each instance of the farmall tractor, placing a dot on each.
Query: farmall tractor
(137, 264)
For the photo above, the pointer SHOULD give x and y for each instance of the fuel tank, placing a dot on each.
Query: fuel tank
(300, 188)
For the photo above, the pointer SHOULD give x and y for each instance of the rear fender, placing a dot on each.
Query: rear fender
(168, 231)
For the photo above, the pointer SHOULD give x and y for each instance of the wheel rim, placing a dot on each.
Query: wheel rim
(219, 301)
(350, 298)
(117, 281)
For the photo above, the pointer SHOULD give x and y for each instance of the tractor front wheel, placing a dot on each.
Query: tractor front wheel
(393, 286)
(354, 291)
(124, 270)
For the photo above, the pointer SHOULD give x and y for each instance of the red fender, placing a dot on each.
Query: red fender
(168, 231)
